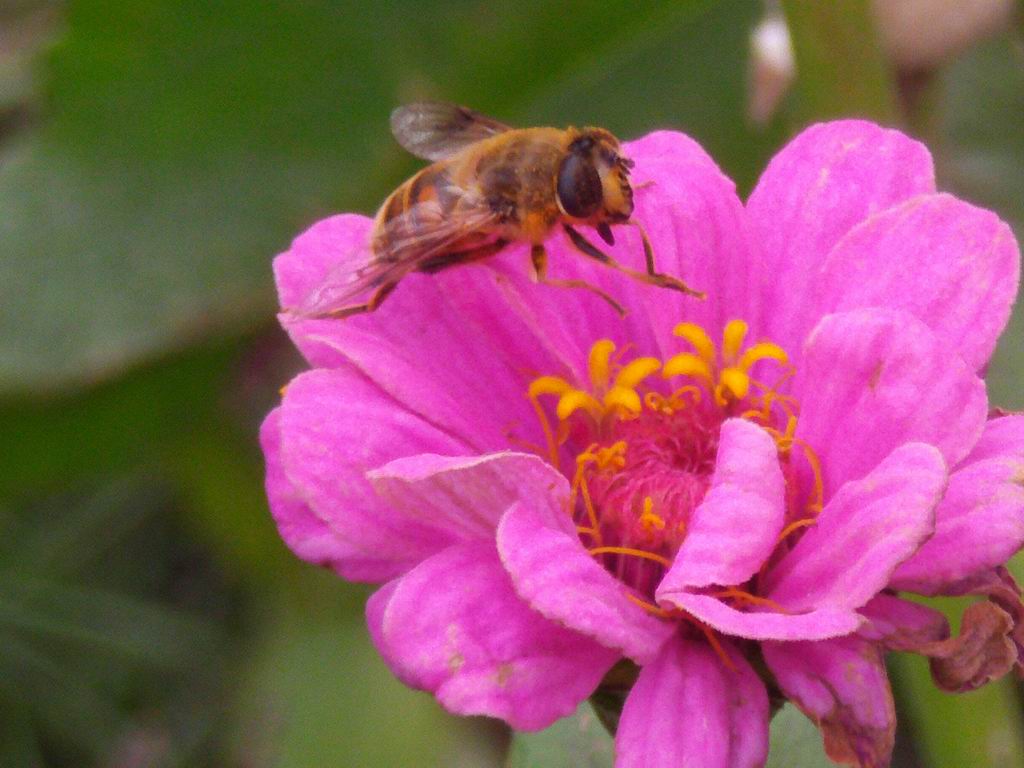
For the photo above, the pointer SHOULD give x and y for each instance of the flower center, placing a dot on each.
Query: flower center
(650, 445)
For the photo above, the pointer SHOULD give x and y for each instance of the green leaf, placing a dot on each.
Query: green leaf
(34, 685)
(98, 621)
(112, 427)
(578, 741)
(841, 70)
(795, 742)
(981, 729)
(316, 693)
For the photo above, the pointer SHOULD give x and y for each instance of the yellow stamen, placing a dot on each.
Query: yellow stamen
(700, 340)
(548, 385)
(687, 364)
(796, 526)
(632, 552)
(545, 426)
(818, 494)
(655, 401)
(624, 398)
(739, 594)
(575, 399)
(588, 504)
(736, 382)
(636, 371)
(763, 350)
(598, 364)
(732, 339)
(612, 457)
(689, 389)
(650, 607)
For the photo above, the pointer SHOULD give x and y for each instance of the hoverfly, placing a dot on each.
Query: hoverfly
(489, 185)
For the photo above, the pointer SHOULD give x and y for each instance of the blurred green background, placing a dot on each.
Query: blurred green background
(156, 154)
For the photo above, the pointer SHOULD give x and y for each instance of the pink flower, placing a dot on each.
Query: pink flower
(544, 488)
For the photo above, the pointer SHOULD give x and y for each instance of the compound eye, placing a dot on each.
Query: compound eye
(579, 186)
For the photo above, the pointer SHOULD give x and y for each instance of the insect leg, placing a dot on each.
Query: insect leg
(357, 309)
(539, 262)
(445, 260)
(651, 276)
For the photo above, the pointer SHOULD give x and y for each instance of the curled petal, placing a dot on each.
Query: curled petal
(999, 586)
(864, 532)
(979, 525)
(982, 652)
(465, 496)
(841, 685)
(734, 529)
(818, 624)
(553, 573)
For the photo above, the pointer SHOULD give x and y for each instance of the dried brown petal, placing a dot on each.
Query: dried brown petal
(982, 652)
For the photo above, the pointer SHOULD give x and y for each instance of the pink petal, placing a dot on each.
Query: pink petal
(465, 496)
(840, 684)
(376, 607)
(554, 574)
(979, 525)
(873, 379)
(954, 266)
(816, 624)
(307, 535)
(901, 625)
(735, 528)
(823, 183)
(334, 427)
(333, 244)
(453, 626)
(868, 528)
(1003, 436)
(688, 709)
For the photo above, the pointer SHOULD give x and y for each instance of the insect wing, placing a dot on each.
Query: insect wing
(357, 273)
(435, 130)
(422, 233)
